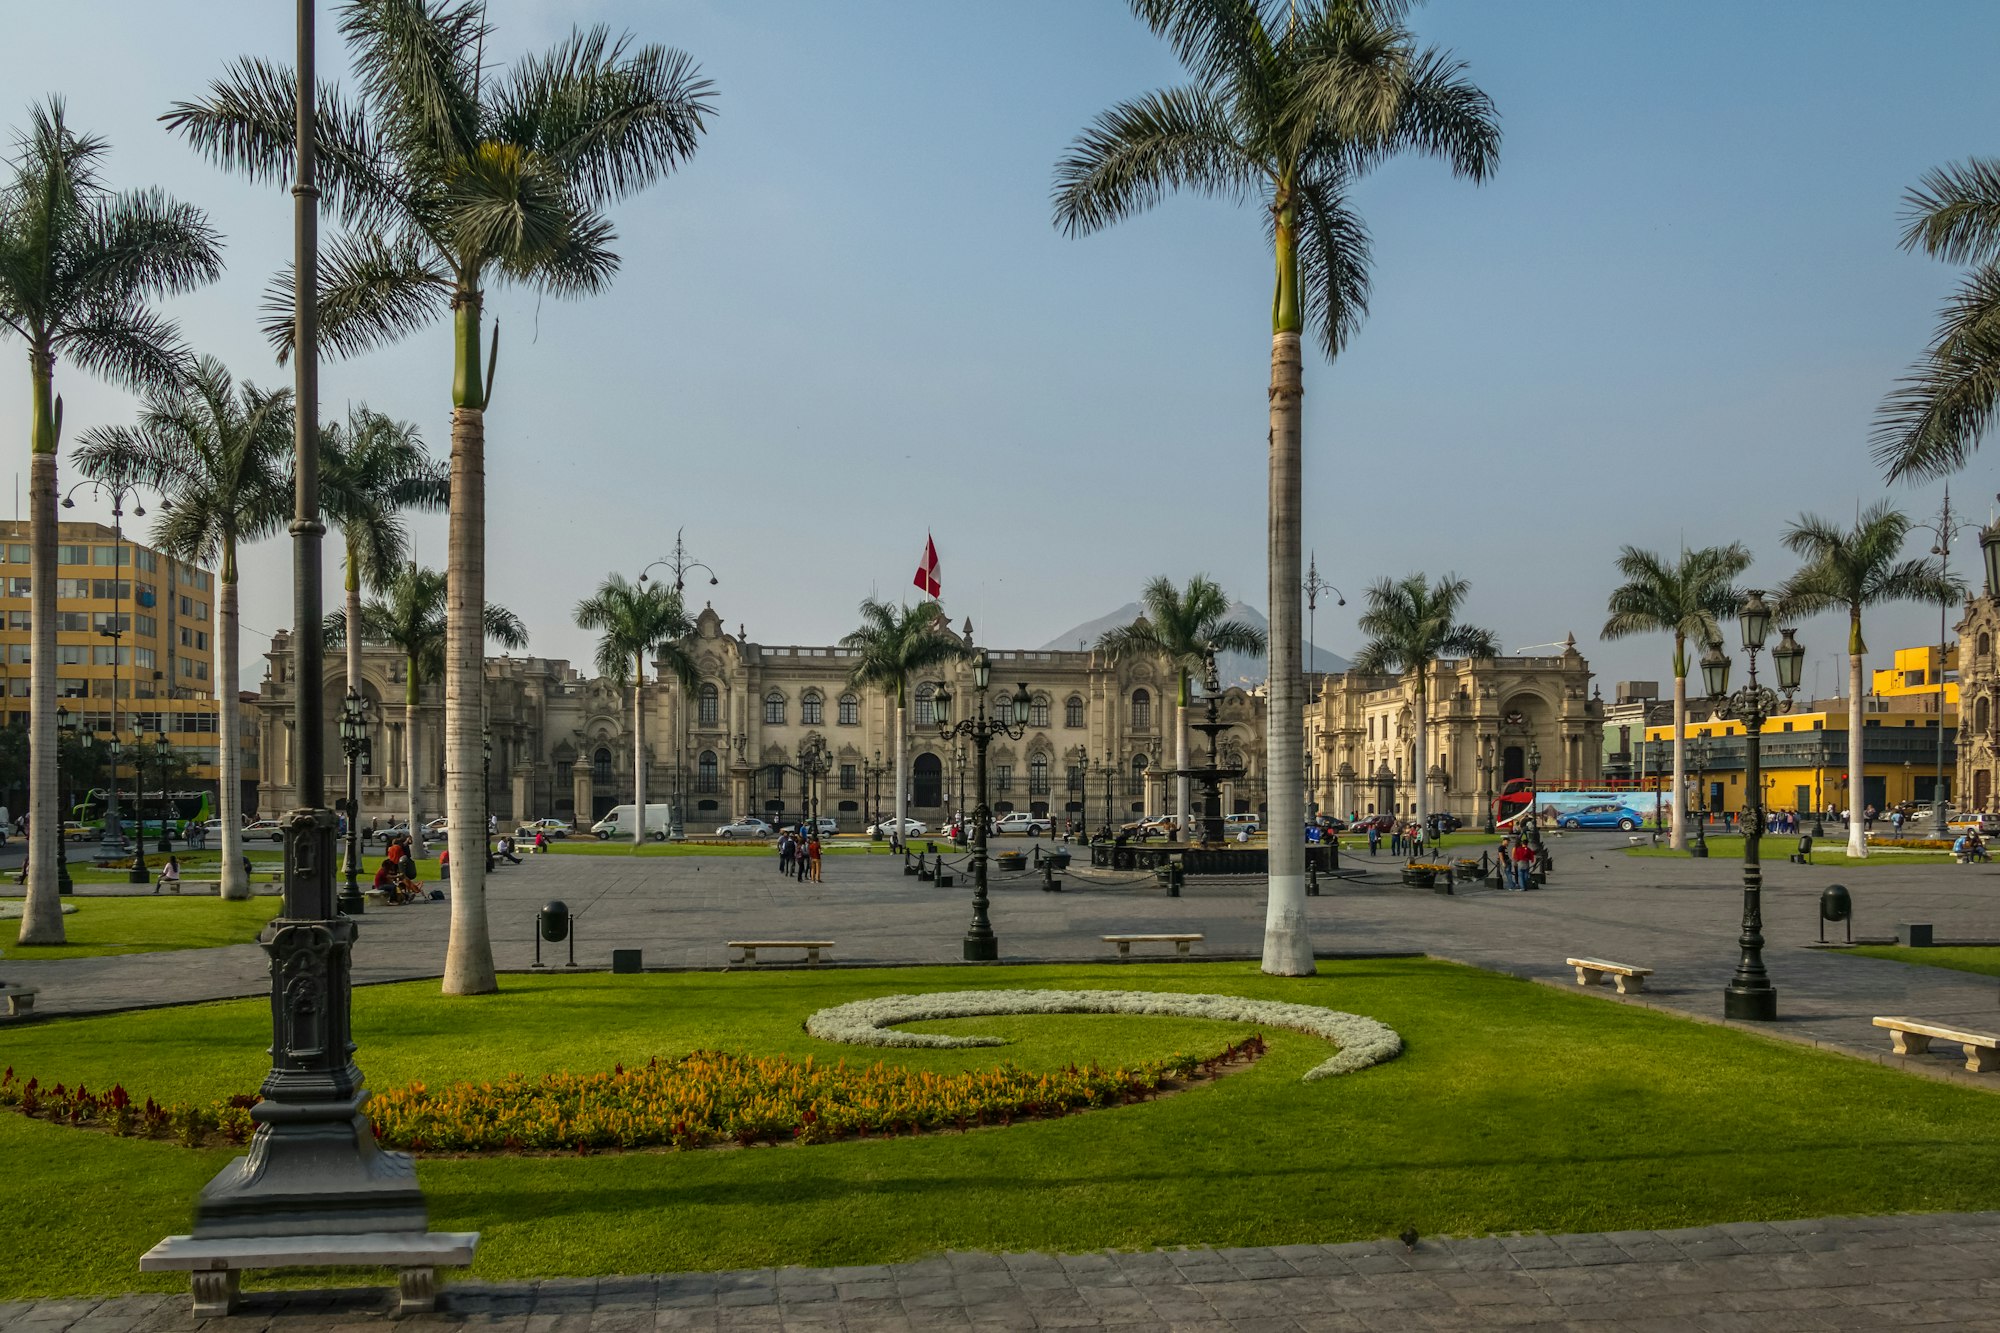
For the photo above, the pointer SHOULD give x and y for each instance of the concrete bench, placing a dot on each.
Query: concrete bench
(1592, 971)
(216, 1265)
(750, 948)
(1912, 1036)
(1180, 942)
(20, 999)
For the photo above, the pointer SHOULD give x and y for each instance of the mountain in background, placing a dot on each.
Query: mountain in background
(1234, 668)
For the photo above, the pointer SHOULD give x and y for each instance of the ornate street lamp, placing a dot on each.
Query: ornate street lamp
(1079, 783)
(1534, 797)
(163, 751)
(111, 842)
(1111, 767)
(353, 744)
(1698, 752)
(65, 731)
(1009, 720)
(1750, 995)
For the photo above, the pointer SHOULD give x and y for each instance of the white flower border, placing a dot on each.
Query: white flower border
(1362, 1040)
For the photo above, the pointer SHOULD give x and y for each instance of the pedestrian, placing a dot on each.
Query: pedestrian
(801, 866)
(1524, 865)
(1896, 823)
(1374, 839)
(812, 855)
(785, 852)
(507, 851)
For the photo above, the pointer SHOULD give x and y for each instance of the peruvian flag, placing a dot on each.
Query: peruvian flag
(927, 568)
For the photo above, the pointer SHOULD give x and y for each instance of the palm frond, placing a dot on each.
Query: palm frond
(418, 64)
(1334, 254)
(1953, 213)
(372, 292)
(1140, 151)
(1930, 423)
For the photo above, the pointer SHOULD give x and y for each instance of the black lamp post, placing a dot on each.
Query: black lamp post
(65, 731)
(111, 845)
(140, 872)
(163, 750)
(1011, 721)
(1534, 797)
(1079, 783)
(1698, 751)
(814, 762)
(353, 742)
(1750, 995)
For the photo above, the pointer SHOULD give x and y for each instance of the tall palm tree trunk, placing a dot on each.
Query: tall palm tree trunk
(41, 914)
(1287, 942)
(1679, 838)
(1857, 786)
(412, 752)
(468, 964)
(1423, 764)
(639, 753)
(229, 799)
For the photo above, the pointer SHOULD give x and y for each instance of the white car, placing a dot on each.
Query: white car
(911, 828)
(746, 828)
(264, 830)
(548, 828)
(1020, 821)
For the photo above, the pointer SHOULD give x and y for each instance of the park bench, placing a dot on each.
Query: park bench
(20, 999)
(1592, 971)
(216, 1265)
(750, 948)
(1912, 1036)
(1180, 942)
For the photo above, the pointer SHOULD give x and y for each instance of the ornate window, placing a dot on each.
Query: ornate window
(1142, 711)
(1137, 786)
(811, 710)
(1003, 777)
(1038, 711)
(1038, 774)
(1982, 715)
(1073, 712)
(705, 774)
(708, 704)
(850, 711)
(1985, 644)
(774, 709)
(600, 767)
(774, 777)
(926, 715)
(847, 777)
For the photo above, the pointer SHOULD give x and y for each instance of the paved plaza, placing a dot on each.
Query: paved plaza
(1679, 917)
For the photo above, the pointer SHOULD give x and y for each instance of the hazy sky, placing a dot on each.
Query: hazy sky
(1668, 318)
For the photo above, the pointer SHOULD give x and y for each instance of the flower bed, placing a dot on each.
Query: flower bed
(704, 1099)
(1362, 1041)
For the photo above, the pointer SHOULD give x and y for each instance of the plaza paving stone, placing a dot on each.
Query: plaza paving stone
(1938, 1271)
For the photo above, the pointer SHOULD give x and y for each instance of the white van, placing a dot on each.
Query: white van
(618, 824)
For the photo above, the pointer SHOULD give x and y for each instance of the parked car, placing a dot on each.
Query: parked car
(1159, 826)
(825, 826)
(746, 828)
(1374, 823)
(1235, 824)
(548, 828)
(912, 828)
(1331, 824)
(389, 833)
(264, 830)
(1020, 821)
(435, 829)
(77, 831)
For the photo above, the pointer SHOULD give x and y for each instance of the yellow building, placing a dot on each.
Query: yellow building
(1916, 675)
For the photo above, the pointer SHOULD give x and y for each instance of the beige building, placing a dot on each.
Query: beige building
(1483, 719)
(1098, 733)
(1978, 738)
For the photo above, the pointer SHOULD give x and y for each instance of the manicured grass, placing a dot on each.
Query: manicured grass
(102, 926)
(849, 846)
(1827, 851)
(1515, 1106)
(1986, 962)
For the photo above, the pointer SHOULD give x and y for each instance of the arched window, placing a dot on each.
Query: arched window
(774, 777)
(1038, 772)
(774, 709)
(1982, 715)
(705, 777)
(709, 704)
(1142, 711)
(1073, 712)
(1985, 644)
(1038, 711)
(927, 782)
(600, 767)
(926, 716)
(1137, 786)
(810, 710)
(850, 711)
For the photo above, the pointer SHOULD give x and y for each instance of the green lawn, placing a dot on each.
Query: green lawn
(102, 926)
(1827, 851)
(1986, 962)
(623, 847)
(1515, 1106)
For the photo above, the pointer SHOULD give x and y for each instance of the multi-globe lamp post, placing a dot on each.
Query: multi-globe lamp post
(1698, 755)
(1750, 995)
(1009, 720)
(354, 745)
(1535, 798)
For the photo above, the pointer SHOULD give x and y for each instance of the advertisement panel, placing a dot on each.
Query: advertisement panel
(1623, 810)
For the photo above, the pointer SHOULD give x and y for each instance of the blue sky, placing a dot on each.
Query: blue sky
(1669, 317)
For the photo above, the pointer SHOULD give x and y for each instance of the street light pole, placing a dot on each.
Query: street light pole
(111, 840)
(1314, 586)
(1750, 995)
(1011, 721)
(65, 733)
(1945, 530)
(353, 742)
(1698, 751)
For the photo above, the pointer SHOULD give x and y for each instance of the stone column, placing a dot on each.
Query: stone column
(522, 775)
(583, 795)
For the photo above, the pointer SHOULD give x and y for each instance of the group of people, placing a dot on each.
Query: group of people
(1969, 847)
(799, 854)
(1403, 838)
(396, 878)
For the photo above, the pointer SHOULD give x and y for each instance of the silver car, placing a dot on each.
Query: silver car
(745, 828)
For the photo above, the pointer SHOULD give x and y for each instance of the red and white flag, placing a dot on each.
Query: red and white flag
(927, 568)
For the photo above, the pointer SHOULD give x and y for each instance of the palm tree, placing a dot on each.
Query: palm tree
(1933, 419)
(80, 269)
(221, 458)
(1182, 627)
(637, 620)
(1291, 102)
(1851, 569)
(1686, 599)
(1411, 623)
(408, 613)
(445, 182)
(895, 642)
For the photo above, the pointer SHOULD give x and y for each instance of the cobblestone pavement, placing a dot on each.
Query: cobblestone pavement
(1940, 1271)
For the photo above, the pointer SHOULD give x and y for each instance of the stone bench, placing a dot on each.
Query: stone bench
(750, 948)
(20, 999)
(1592, 971)
(216, 1265)
(1180, 942)
(1912, 1036)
